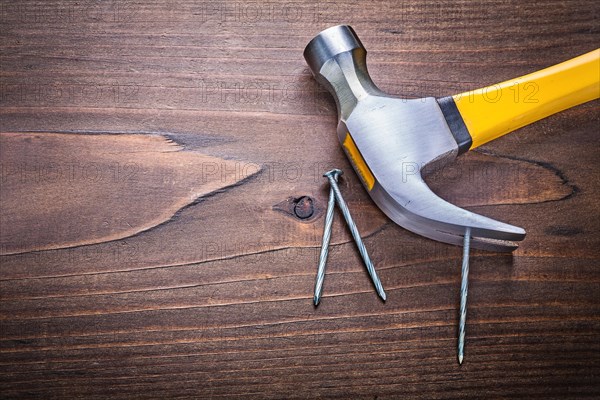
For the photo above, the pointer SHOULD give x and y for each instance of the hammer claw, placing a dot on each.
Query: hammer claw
(415, 207)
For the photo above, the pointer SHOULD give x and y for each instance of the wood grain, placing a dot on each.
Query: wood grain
(205, 291)
(71, 190)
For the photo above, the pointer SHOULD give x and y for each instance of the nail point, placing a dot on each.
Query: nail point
(460, 359)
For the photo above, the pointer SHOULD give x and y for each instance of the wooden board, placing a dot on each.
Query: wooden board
(161, 207)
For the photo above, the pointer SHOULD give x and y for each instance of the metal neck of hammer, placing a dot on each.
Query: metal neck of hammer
(337, 59)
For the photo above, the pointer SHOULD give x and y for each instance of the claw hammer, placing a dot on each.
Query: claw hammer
(392, 142)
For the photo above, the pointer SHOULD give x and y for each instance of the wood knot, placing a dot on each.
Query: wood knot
(304, 208)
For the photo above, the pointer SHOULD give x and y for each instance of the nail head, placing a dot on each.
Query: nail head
(333, 173)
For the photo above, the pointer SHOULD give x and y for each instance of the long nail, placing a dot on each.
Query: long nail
(325, 243)
(464, 287)
(356, 235)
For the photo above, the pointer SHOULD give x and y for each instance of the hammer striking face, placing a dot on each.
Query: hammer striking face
(393, 142)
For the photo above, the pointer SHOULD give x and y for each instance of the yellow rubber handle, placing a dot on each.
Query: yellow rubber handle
(496, 110)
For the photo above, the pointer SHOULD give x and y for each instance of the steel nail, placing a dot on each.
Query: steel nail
(464, 287)
(325, 242)
(355, 234)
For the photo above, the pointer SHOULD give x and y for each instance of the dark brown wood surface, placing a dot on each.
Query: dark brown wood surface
(159, 165)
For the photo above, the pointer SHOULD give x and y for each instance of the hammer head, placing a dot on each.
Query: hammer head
(392, 142)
